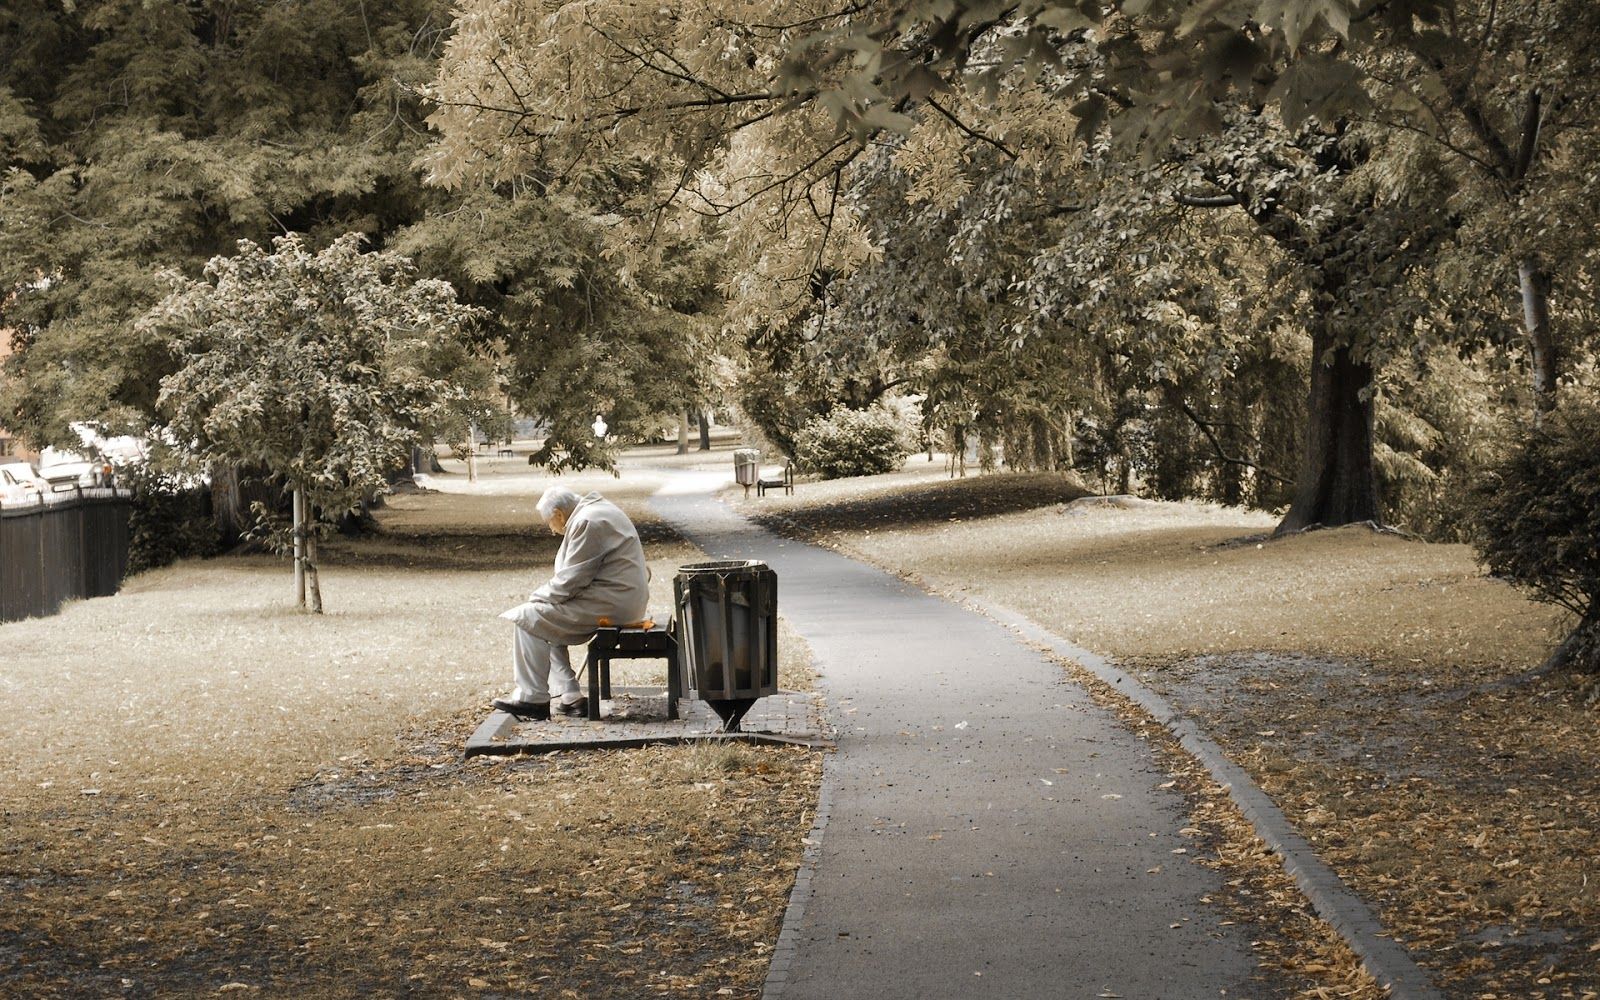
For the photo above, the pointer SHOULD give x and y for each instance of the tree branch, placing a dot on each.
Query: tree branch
(855, 8)
(1461, 96)
(718, 209)
(827, 223)
(1459, 150)
(958, 123)
(618, 113)
(681, 74)
(1188, 200)
(1216, 445)
(1531, 119)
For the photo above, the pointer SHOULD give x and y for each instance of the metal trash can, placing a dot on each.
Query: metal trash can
(727, 616)
(746, 467)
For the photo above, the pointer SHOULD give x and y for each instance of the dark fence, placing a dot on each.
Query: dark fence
(62, 546)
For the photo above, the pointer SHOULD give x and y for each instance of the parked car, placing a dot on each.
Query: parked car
(20, 484)
(64, 474)
(117, 451)
(64, 469)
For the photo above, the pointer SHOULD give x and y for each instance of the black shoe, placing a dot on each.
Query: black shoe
(579, 708)
(538, 711)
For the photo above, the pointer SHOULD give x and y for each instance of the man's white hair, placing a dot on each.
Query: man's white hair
(557, 498)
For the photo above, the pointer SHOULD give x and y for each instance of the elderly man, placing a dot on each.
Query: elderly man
(600, 578)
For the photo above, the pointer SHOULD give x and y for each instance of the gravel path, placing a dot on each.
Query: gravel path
(989, 830)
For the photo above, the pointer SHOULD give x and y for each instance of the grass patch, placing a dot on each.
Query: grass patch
(204, 790)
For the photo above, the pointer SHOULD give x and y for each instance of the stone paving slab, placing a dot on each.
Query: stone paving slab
(637, 716)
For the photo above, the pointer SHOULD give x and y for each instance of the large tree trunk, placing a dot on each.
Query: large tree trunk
(299, 547)
(234, 491)
(425, 460)
(1535, 284)
(228, 509)
(683, 432)
(1337, 483)
(705, 431)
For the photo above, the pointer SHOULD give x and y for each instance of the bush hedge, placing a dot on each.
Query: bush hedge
(853, 443)
(1537, 523)
(170, 519)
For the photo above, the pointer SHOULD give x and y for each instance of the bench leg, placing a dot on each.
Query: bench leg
(674, 684)
(596, 664)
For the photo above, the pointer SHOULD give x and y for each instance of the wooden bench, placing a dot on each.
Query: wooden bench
(643, 641)
(785, 481)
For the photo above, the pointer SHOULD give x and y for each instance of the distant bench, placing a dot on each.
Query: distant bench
(785, 481)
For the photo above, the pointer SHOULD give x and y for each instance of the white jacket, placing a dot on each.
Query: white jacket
(599, 573)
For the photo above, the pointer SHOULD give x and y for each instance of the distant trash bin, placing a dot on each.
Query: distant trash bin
(728, 629)
(746, 467)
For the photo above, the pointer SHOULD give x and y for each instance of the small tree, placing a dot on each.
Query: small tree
(309, 365)
(1538, 524)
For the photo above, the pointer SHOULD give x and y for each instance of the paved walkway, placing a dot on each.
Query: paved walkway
(992, 832)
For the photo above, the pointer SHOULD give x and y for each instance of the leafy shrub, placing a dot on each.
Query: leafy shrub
(171, 519)
(853, 443)
(1438, 425)
(1538, 524)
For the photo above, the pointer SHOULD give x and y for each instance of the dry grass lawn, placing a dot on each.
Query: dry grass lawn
(205, 791)
(1357, 675)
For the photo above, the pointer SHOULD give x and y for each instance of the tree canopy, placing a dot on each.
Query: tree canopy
(1362, 141)
(156, 135)
(136, 137)
(1331, 257)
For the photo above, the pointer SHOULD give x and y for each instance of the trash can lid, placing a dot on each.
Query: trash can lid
(723, 566)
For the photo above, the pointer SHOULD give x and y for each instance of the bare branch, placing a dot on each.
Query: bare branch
(827, 231)
(1216, 445)
(958, 123)
(681, 74)
(1460, 94)
(719, 209)
(855, 8)
(1453, 147)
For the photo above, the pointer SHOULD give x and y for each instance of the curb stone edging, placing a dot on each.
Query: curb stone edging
(784, 949)
(1385, 959)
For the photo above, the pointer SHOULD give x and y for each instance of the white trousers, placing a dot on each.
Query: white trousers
(542, 670)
